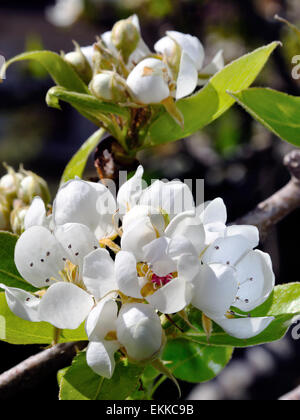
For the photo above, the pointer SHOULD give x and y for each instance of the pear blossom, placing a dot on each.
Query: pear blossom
(149, 81)
(65, 12)
(136, 329)
(152, 212)
(68, 266)
(185, 55)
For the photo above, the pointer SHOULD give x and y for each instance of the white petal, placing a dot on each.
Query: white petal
(180, 246)
(188, 267)
(21, 303)
(227, 250)
(139, 331)
(212, 68)
(165, 46)
(106, 37)
(65, 306)
(172, 298)
(189, 228)
(244, 328)
(172, 197)
(126, 274)
(99, 274)
(249, 232)
(138, 212)
(190, 45)
(36, 214)
(39, 256)
(256, 279)
(86, 203)
(101, 320)
(130, 192)
(156, 253)
(77, 241)
(215, 289)
(88, 52)
(100, 357)
(137, 236)
(187, 77)
(214, 211)
(147, 81)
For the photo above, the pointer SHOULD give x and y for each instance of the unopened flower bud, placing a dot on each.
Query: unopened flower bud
(4, 214)
(139, 331)
(109, 87)
(125, 37)
(9, 183)
(17, 219)
(31, 186)
(148, 81)
(103, 58)
(80, 63)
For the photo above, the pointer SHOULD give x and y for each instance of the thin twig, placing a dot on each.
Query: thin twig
(268, 213)
(29, 373)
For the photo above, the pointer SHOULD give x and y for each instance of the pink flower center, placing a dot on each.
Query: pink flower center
(161, 281)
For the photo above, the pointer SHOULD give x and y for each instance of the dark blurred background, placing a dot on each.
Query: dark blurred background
(239, 160)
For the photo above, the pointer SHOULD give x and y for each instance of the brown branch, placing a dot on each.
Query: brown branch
(292, 396)
(281, 204)
(28, 374)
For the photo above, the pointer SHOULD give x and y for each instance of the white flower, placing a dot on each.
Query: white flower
(231, 274)
(64, 12)
(69, 266)
(152, 212)
(190, 59)
(136, 328)
(149, 82)
(88, 203)
(185, 56)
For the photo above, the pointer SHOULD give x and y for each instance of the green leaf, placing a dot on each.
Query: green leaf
(61, 72)
(212, 101)
(283, 305)
(78, 162)
(194, 362)
(81, 383)
(9, 274)
(19, 331)
(82, 101)
(277, 111)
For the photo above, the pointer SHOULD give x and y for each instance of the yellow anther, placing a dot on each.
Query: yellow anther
(148, 290)
(106, 242)
(111, 336)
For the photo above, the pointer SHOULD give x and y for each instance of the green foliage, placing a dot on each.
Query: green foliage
(19, 331)
(194, 362)
(277, 111)
(283, 305)
(78, 162)
(61, 72)
(79, 382)
(212, 101)
(9, 274)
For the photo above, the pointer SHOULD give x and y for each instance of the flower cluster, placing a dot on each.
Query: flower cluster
(17, 191)
(120, 67)
(169, 254)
